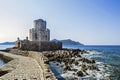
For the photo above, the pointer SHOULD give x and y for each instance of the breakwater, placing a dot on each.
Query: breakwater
(25, 67)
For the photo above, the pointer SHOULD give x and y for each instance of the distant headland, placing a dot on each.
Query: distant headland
(68, 42)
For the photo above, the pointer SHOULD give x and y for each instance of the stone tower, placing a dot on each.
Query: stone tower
(39, 32)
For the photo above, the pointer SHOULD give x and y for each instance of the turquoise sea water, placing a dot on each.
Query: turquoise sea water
(109, 55)
(2, 47)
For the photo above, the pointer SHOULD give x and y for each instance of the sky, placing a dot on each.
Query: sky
(91, 22)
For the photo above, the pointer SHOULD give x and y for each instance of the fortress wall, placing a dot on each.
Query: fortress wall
(41, 46)
(5, 58)
(50, 46)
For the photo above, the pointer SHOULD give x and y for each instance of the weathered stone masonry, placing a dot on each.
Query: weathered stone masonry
(39, 32)
(39, 39)
(41, 46)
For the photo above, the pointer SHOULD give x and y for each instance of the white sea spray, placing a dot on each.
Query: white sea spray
(93, 74)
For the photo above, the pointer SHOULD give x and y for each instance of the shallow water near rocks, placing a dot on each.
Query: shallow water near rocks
(109, 55)
(1, 63)
(2, 47)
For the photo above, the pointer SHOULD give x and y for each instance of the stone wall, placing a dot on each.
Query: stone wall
(41, 46)
(21, 68)
(5, 58)
(32, 67)
(41, 59)
(19, 52)
(39, 32)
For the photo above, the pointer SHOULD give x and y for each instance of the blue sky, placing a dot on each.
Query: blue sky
(87, 21)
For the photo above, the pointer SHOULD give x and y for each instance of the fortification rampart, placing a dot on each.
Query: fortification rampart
(39, 45)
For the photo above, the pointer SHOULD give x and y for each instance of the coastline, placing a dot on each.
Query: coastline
(71, 64)
(74, 69)
(97, 54)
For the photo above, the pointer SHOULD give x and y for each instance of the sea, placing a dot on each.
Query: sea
(2, 47)
(107, 54)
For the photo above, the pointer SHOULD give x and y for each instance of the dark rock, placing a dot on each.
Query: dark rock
(75, 70)
(83, 67)
(105, 65)
(80, 73)
(79, 56)
(76, 63)
(86, 60)
(93, 61)
(67, 68)
(93, 68)
(71, 61)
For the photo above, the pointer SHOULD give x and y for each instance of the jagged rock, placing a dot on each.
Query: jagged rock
(93, 61)
(72, 61)
(87, 60)
(84, 67)
(68, 57)
(68, 68)
(79, 56)
(93, 68)
(76, 63)
(105, 65)
(80, 73)
(75, 70)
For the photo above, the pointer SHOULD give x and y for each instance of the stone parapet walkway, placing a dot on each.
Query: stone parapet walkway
(21, 68)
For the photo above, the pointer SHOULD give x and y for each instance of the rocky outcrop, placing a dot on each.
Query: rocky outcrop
(74, 64)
